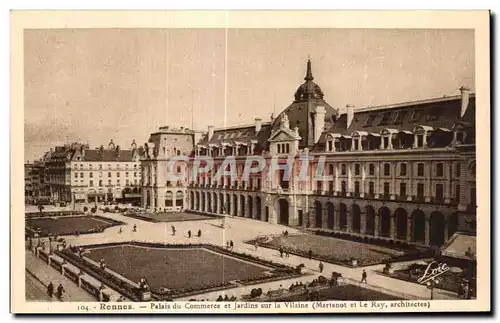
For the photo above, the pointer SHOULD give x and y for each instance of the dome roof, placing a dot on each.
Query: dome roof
(308, 89)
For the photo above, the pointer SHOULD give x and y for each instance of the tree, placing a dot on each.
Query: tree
(85, 209)
(93, 210)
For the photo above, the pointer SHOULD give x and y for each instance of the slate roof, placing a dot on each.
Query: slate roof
(108, 155)
(242, 134)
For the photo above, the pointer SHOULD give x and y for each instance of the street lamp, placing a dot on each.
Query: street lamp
(431, 284)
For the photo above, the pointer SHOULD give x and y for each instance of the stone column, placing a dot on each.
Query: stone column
(349, 219)
(394, 168)
(409, 228)
(262, 210)
(363, 223)
(427, 229)
(415, 140)
(376, 228)
(392, 228)
(427, 185)
(247, 207)
(336, 222)
(324, 217)
(363, 179)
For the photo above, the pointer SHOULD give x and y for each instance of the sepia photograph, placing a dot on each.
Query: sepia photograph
(241, 167)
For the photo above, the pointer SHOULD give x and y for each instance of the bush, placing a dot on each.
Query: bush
(93, 210)
(116, 208)
(85, 209)
(106, 209)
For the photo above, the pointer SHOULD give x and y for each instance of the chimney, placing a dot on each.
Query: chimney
(464, 98)
(350, 114)
(258, 124)
(319, 122)
(210, 132)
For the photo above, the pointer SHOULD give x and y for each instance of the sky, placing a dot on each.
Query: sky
(91, 85)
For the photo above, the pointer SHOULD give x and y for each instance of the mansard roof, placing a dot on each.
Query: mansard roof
(240, 135)
(428, 114)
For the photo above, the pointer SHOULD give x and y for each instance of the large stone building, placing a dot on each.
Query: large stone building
(158, 192)
(76, 173)
(401, 172)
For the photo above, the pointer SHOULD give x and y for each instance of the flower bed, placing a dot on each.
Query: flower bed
(279, 271)
(338, 251)
(51, 214)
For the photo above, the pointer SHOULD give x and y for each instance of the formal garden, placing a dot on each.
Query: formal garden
(345, 252)
(172, 270)
(61, 225)
(157, 217)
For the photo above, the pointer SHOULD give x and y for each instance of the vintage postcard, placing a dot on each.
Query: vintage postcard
(250, 162)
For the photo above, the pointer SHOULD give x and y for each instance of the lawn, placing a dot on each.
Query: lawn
(176, 269)
(67, 225)
(447, 281)
(343, 293)
(168, 217)
(332, 249)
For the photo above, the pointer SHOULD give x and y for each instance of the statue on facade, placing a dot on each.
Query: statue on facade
(284, 122)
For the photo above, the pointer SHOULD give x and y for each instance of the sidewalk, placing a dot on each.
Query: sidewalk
(46, 274)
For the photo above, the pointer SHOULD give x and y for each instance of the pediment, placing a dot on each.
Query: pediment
(284, 135)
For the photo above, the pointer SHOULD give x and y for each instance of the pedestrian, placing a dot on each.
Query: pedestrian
(121, 230)
(231, 244)
(256, 246)
(189, 234)
(310, 254)
(134, 229)
(60, 291)
(173, 230)
(227, 244)
(50, 289)
(320, 267)
(287, 252)
(363, 277)
(281, 252)
(199, 233)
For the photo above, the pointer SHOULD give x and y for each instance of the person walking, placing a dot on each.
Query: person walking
(310, 254)
(256, 245)
(173, 230)
(231, 244)
(363, 277)
(199, 233)
(287, 252)
(60, 291)
(134, 229)
(121, 230)
(189, 234)
(281, 252)
(320, 266)
(50, 290)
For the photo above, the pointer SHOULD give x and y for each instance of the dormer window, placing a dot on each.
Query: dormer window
(414, 116)
(329, 145)
(398, 117)
(432, 114)
(385, 119)
(369, 120)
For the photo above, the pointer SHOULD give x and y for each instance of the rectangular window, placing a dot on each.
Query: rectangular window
(330, 186)
(457, 193)
(420, 140)
(90, 165)
(457, 170)
(91, 175)
(387, 170)
(402, 169)
(387, 188)
(420, 169)
(330, 169)
(76, 175)
(118, 182)
(127, 182)
(109, 182)
(402, 189)
(81, 175)
(356, 169)
(420, 191)
(109, 174)
(371, 188)
(356, 188)
(135, 182)
(343, 170)
(439, 169)
(320, 186)
(439, 192)
(91, 183)
(343, 187)
(100, 182)
(135, 174)
(371, 169)
(117, 174)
